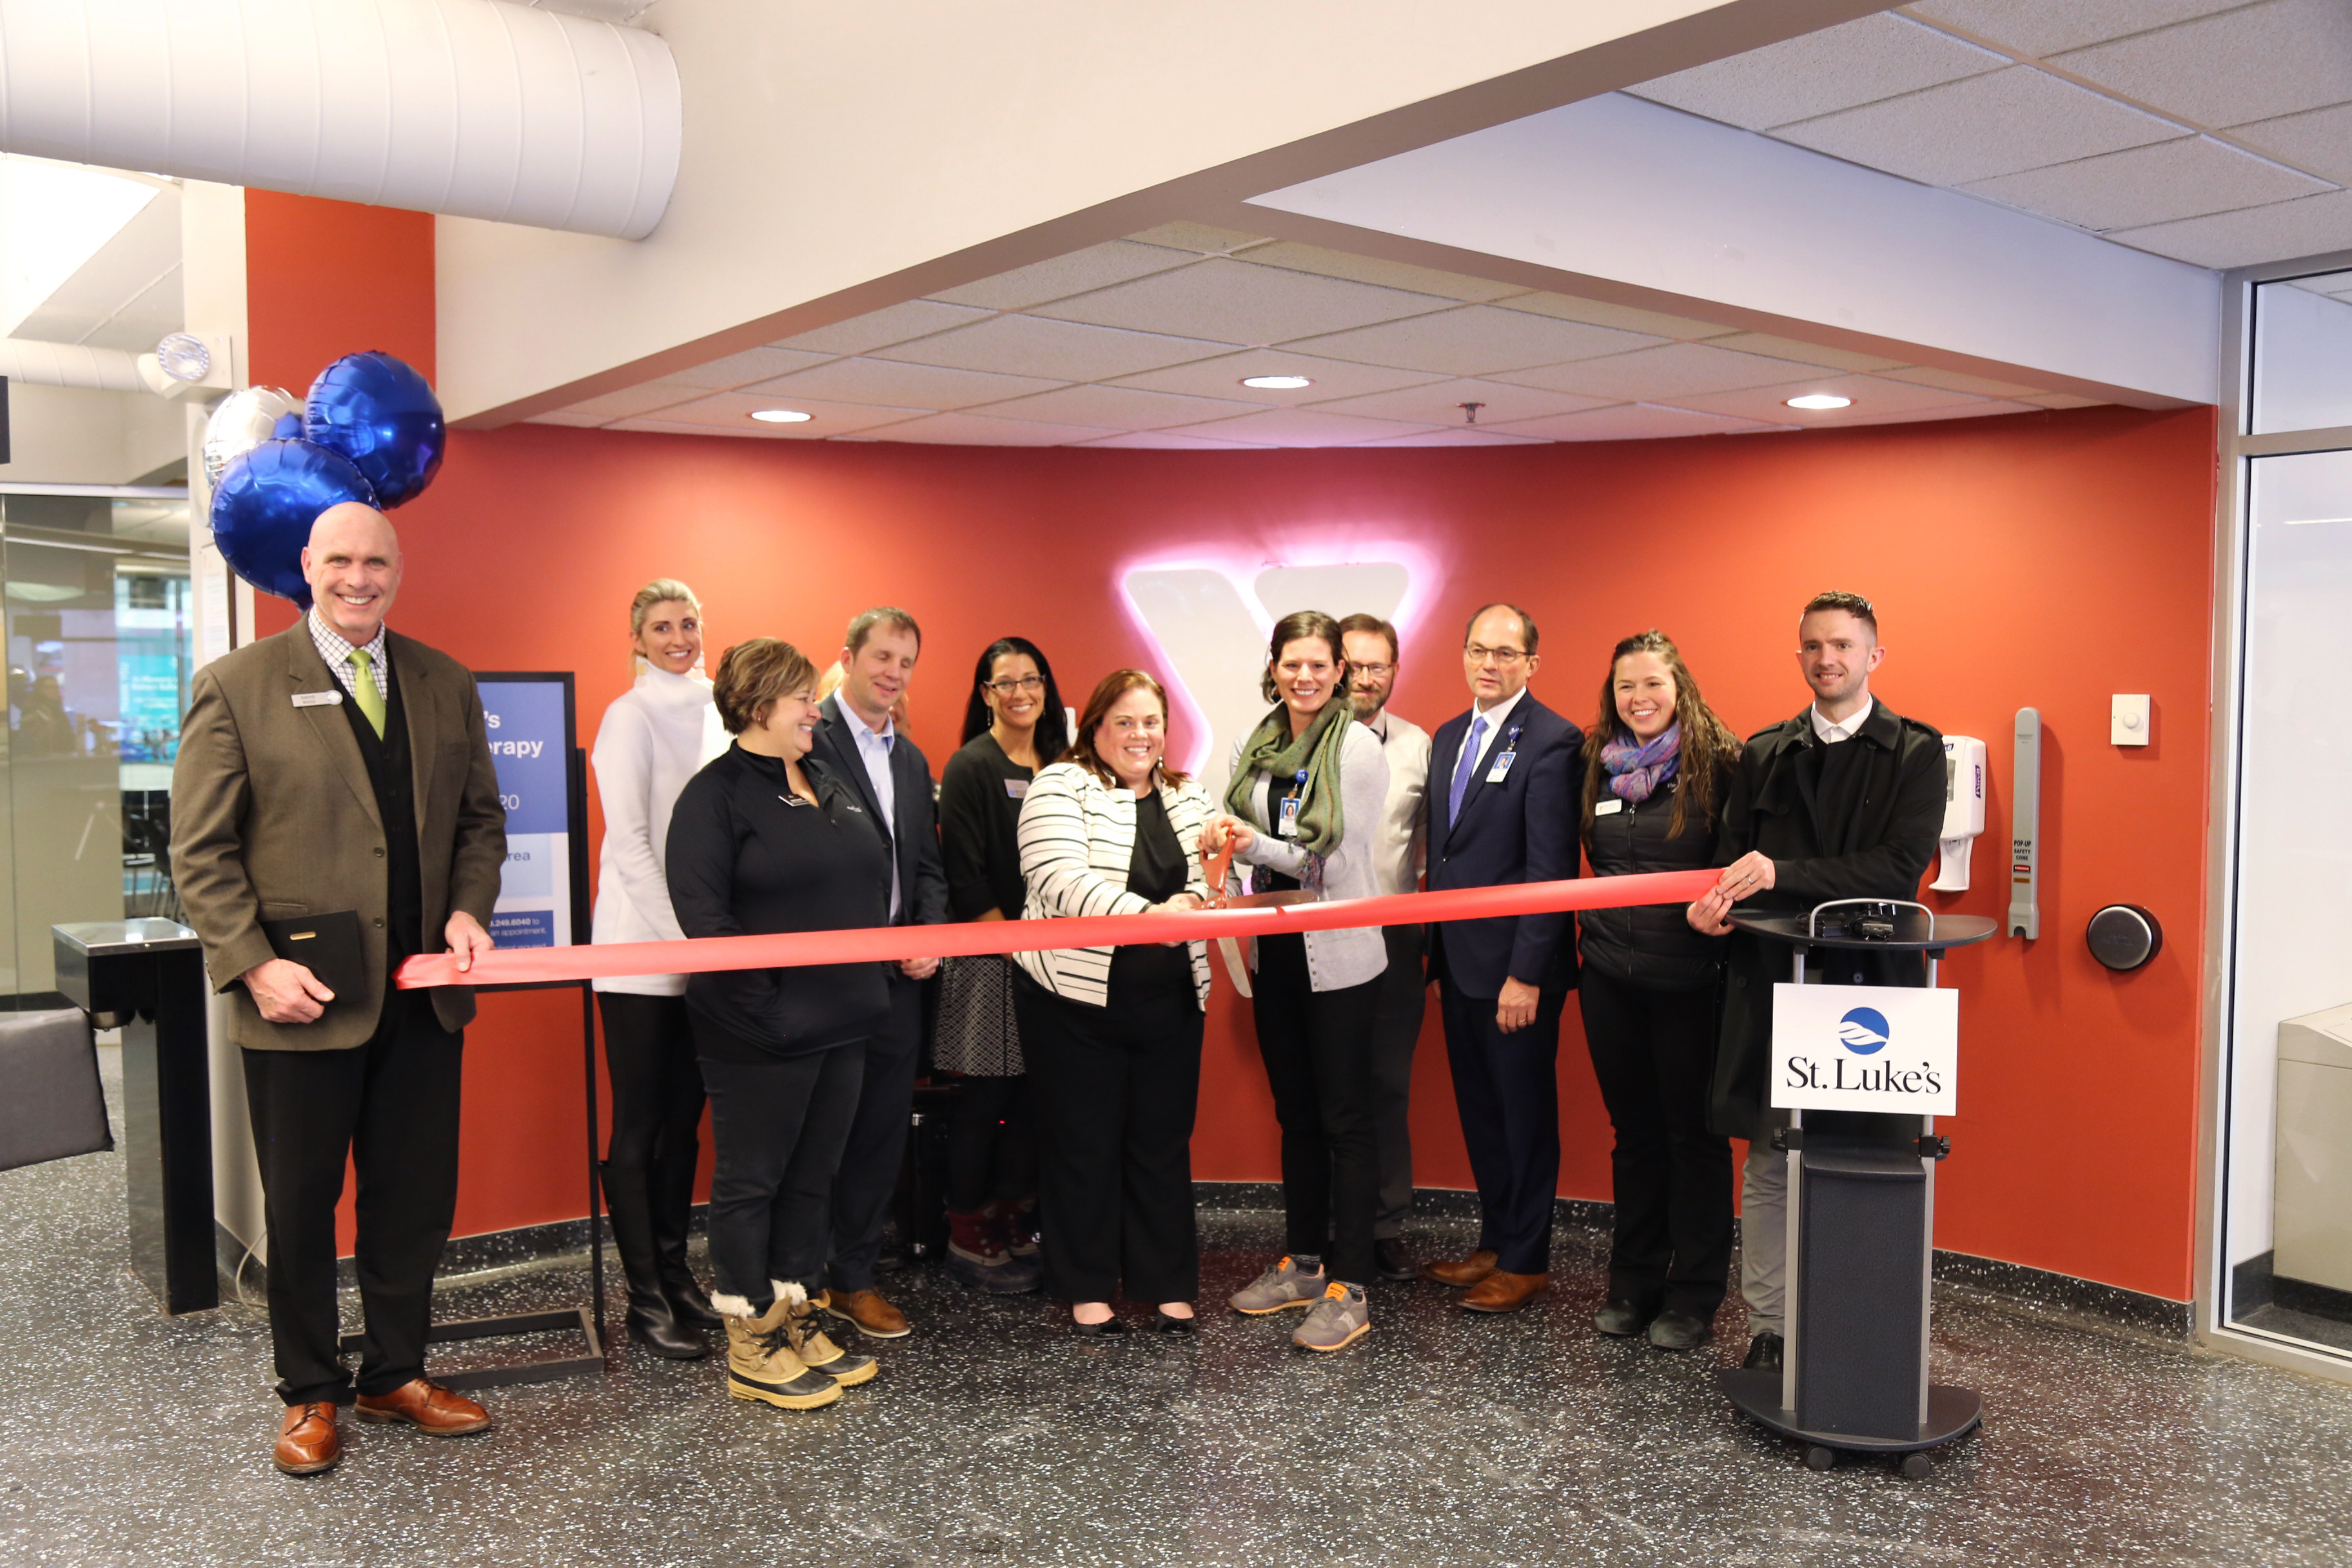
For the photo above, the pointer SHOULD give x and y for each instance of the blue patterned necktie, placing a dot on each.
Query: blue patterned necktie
(1461, 769)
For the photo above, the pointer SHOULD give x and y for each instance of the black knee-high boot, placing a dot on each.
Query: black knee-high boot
(673, 1210)
(652, 1322)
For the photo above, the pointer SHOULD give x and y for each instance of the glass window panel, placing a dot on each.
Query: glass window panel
(2302, 347)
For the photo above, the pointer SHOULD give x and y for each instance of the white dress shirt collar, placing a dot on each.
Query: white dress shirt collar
(1830, 734)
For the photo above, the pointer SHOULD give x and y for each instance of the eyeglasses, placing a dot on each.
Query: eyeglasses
(1017, 683)
(1502, 657)
(1377, 671)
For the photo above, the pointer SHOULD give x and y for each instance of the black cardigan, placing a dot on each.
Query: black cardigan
(977, 819)
(747, 858)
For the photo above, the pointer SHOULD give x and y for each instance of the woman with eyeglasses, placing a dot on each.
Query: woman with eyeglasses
(1014, 724)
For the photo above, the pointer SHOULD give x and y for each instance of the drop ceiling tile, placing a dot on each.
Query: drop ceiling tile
(1056, 350)
(1671, 373)
(2185, 178)
(1303, 428)
(631, 401)
(1222, 377)
(741, 370)
(731, 412)
(1595, 312)
(1960, 381)
(879, 329)
(1474, 340)
(1999, 124)
(2062, 400)
(1096, 267)
(1234, 301)
(2319, 143)
(2278, 57)
(1801, 352)
(975, 431)
(566, 416)
(1440, 402)
(1458, 438)
(1387, 274)
(1168, 441)
(2275, 233)
(1837, 68)
(1201, 238)
(1634, 422)
(898, 384)
(1875, 399)
(2041, 27)
(1117, 408)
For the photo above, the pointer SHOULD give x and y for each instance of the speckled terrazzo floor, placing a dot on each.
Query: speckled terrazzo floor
(989, 1437)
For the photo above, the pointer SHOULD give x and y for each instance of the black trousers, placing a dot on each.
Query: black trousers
(390, 1108)
(1653, 1052)
(992, 1147)
(656, 1135)
(1396, 1029)
(877, 1140)
(1117, 1089)
(1318, 1049)
(1506, 1089)
(778, 1127)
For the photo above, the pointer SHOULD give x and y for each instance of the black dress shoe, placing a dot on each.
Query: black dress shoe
(1389, 1261)
(1108, 1328)
(1168, 1325)
(1676, 1330)
(1621, 1319)
(1763, 1353)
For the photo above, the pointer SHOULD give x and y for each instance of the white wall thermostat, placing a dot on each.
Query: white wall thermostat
(2128, 723)
(1964, 810)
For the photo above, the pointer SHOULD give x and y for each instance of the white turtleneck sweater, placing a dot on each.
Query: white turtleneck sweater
(655, 737)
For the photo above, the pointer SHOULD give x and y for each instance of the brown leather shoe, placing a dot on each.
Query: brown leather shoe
(867, 1313)
(307, 1439)
(1459, 1272)
(1501, 1293)
(424, 1404)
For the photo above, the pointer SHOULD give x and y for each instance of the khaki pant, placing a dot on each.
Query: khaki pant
(1764, 1237)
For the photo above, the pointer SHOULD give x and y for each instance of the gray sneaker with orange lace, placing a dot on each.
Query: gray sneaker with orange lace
(1278, 1289)
(1340, 1319)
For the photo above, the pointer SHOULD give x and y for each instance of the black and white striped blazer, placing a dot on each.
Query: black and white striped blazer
(1077, 839)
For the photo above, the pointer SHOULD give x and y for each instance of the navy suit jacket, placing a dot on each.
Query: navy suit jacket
(914, 834)
(1522, 829)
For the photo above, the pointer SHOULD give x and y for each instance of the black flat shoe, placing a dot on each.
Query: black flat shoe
(1162, 1323)
(1763, 1353)
(1673, 1329)
(1390, 1260)
(1106, 1329)
(1621, 1319)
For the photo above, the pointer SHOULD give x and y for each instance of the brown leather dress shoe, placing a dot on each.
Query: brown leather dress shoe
(307, 1439)
(427, 1405)
(1459, 1272)
(1501, 1293)
(869, 1313)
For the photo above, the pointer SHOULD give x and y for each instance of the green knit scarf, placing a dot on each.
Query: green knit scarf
(1272, 748)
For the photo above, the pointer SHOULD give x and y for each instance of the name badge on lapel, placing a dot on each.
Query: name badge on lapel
(1609, 808)
(317, 698)
(1502, 768)
(1017, 788)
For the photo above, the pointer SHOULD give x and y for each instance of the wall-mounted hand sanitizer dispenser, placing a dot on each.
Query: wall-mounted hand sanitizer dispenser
(1964, 818)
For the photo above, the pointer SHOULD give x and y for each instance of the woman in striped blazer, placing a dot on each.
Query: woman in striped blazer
(1113, 1035)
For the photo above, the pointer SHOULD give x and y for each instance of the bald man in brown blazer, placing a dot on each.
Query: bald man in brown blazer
(340, 766)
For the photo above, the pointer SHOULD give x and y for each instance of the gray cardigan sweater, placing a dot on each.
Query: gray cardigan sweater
(1335, 959)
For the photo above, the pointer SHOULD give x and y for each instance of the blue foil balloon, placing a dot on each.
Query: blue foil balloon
(263, 508)
(383, 419)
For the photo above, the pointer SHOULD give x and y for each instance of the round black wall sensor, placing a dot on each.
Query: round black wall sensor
(2125, 936)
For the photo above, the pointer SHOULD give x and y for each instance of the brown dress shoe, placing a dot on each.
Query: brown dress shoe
(424, 1404)
(1459, 1272)
(867, 1313)
(307, 1440)
(1501, 1293)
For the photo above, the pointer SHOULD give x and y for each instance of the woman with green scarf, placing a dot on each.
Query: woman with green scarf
(1304, 810)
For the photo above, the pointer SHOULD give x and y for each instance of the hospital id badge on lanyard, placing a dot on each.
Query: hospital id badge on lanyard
(1286, 821)
(1502, 768)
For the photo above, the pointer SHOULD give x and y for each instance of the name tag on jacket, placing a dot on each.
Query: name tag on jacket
(1502, 768)
(317, 698)
(1608, 807)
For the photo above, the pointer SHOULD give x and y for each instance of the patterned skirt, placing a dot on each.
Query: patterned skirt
(975, 1033)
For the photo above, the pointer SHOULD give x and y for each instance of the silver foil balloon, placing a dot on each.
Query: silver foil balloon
(243, 421)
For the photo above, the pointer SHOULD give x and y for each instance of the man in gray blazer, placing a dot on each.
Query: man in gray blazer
(338, 767)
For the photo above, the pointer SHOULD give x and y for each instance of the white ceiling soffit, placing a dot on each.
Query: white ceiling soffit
(2210, 130)
(1146, 341)
(125, 294)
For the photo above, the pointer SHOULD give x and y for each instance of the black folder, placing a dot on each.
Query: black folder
(327, 946)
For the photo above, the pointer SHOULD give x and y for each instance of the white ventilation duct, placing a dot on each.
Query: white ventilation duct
(70, 364)
(475, 107)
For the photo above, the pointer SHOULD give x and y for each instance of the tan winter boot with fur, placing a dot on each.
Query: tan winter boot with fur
(810, 1343)
(760, 1364)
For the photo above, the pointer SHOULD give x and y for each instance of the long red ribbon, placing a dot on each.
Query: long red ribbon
(541, 966)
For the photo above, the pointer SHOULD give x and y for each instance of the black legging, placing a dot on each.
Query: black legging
(992, 1147)
(1317, 1047)
(657, 1092)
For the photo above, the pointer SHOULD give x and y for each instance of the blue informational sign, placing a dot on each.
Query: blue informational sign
(528, 719)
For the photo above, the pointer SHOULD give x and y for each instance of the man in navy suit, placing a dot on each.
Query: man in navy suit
(859, 743)
(1502, 809)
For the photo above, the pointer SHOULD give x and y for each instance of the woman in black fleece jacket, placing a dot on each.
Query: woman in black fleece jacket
(763, 841)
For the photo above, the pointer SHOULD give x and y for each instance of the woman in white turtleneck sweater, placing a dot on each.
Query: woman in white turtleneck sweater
(655, 737)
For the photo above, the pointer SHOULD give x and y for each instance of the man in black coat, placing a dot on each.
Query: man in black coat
(858, 741)
(1844, 801)
(1502, 809)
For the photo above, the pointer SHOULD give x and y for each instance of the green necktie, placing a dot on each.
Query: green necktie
(364, 693)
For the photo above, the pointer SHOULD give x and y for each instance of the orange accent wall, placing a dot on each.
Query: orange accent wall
(2046, 560)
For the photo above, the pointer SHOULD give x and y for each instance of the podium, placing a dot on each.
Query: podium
(1861, 1195)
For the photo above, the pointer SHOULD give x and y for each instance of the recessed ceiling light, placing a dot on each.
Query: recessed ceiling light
(782, 416)
(1820, 400)
(1276, 383)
